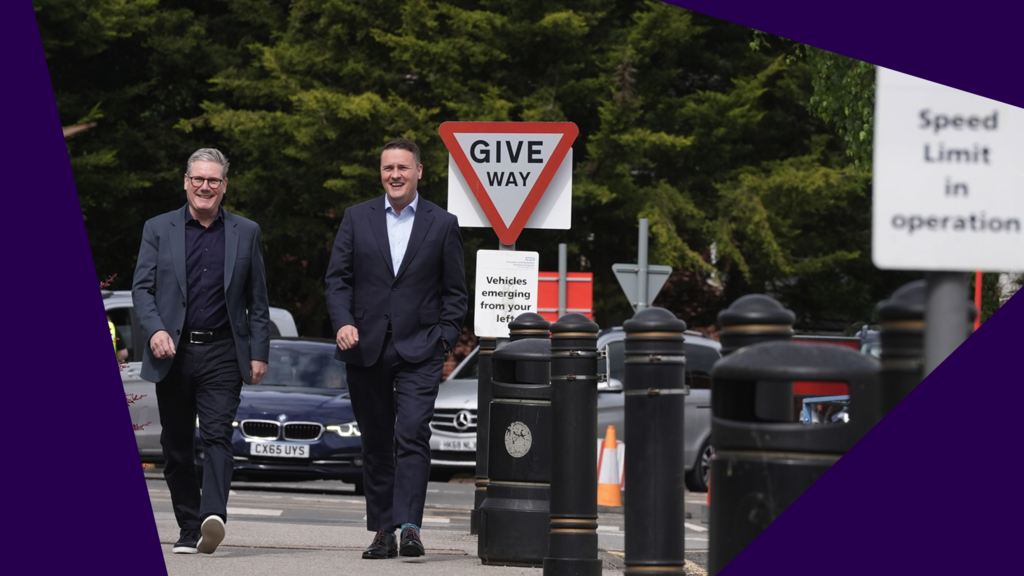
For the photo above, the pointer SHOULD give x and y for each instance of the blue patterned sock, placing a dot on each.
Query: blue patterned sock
(410, 525)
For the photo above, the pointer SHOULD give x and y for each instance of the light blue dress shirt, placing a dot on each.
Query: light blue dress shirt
(399, 229)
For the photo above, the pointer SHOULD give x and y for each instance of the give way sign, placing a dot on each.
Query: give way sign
(510, 175)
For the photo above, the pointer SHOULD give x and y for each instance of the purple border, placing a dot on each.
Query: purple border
(80, 497)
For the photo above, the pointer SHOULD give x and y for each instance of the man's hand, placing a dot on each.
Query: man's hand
(162, 345)
(259, 370)
(348, 337)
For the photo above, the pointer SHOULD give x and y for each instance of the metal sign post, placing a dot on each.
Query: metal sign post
(641, 281)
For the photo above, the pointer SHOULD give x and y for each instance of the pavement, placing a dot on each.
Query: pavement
(256, 547)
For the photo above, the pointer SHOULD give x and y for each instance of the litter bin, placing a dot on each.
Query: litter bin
(762, 465)
(515, 512)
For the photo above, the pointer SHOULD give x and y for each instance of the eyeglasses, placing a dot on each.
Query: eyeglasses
(197, 181)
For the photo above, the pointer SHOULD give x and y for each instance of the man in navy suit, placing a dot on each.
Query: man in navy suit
(200, 293)
(396, 294)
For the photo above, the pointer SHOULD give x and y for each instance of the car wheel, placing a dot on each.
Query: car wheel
(698, 477)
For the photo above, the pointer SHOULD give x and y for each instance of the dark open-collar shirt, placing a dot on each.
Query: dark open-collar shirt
(204, 272)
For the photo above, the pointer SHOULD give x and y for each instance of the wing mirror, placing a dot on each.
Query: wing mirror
(609, 385)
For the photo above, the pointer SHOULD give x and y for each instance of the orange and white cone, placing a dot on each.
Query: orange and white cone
(608, 478)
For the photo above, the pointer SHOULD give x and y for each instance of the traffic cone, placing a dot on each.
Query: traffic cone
(608, 493)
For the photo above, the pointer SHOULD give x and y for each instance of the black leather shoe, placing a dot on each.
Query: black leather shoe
(383, 546)
(411, 543)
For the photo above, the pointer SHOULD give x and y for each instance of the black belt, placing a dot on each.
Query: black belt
(207, 336)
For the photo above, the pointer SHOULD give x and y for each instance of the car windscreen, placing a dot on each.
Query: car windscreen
(304, 365)
(468, 370)
(700, 359)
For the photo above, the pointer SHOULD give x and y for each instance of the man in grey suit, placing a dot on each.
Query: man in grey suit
(200, 293)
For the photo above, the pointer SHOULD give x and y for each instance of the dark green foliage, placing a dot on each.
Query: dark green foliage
(680, 122)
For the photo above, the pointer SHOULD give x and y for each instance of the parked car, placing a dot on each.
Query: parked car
(298, 422)
(141, 395)
(453, 439)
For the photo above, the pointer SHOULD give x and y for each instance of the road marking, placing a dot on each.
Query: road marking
(608, 529)
(694, 527)
(429, 520)
(432, 491)
(232, 493)
(254, 511)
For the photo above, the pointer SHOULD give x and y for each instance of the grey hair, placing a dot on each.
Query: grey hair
(208, 155)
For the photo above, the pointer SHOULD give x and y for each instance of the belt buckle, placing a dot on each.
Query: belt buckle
(204, 335)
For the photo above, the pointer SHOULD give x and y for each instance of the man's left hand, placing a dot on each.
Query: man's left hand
(259, 369)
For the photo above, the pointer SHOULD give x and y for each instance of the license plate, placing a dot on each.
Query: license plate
(279, 449)
(458, 445)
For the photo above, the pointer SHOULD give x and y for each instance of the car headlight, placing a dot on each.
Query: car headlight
(345, 430)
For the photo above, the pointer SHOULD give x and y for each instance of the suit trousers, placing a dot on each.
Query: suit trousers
(205, 380)
(393, 401)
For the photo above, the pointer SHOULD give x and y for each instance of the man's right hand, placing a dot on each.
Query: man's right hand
(162, 345)
(348, 337)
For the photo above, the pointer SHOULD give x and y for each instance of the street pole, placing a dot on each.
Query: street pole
(563, 279)
(946, 325)
(641, 264)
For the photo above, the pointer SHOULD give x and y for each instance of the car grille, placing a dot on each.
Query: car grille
(261, 429)
(457, 421)
(302, 430)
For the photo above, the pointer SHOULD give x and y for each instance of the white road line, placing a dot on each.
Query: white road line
(607, 528)
(432, 491)
(694, 527)
(232, 493)
(428, 520)
(254, 511)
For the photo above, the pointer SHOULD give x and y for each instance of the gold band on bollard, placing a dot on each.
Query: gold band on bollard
(654, 335)
(756, 328)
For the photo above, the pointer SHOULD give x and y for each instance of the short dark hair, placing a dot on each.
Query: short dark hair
(403, 144)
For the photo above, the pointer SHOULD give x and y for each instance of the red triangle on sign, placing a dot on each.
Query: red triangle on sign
(450, 133)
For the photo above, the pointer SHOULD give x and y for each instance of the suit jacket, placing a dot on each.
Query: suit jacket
(425, 299)
(160, 296)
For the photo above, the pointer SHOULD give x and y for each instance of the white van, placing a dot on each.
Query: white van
(140, 394)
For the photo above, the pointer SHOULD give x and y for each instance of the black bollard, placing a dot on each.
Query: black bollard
(483, 412)
(902, 321)
(528, 325)
(514, 514)
(573, 537)
(761, 467)
(655, 390)
(752, 319)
